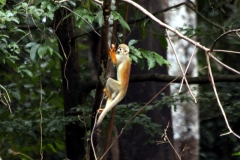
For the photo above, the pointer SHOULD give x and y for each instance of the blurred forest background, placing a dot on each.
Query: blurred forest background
(53, 58)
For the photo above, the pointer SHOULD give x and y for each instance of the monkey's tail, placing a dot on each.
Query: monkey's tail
(113, 103)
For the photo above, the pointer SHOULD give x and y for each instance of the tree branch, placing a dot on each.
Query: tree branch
(165, 79)
(191, 80)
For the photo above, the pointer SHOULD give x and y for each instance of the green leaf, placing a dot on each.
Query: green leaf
(163, 42)
(51, 147)
(44, 4)
(99, 18)
(58, 55)
(33, 51)
(160, 60)
(16, 95)
(132, 42)
(236, 154)
(80, 22)
(2, 26)
(50, 15)
(141, 63)
(29, 73)
(14, 47)
(9, 129)
(31, 133)
(135, 52)
(3, 2)
(42, 50)
(29, 45)
(118, 17)
(150, 59)
(50, 50)
(143, 26)
(134, 58)
(89, 18)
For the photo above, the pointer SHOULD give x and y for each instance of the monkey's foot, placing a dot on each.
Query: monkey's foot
(107, 93)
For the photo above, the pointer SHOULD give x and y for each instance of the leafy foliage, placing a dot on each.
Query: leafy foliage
(151, 57)
(30, 71)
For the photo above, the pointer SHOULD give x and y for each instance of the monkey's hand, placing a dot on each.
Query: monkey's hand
(112, 48)
(112, 54)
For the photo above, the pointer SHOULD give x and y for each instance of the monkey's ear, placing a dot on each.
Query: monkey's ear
(126, 50)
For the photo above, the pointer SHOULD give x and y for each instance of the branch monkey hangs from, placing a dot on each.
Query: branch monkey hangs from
(115, 90)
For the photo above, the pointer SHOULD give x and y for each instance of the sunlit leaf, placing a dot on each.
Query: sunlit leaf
(29, 73)
(132, 42)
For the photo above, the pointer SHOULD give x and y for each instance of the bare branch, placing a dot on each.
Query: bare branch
(230, 31)
(221, 63)
(165, 25)
(218, 100)
(165, 137)
(198, 45)
(194, 51)
(226, 51)
(140, 110)
(191, 80)
(181, 68)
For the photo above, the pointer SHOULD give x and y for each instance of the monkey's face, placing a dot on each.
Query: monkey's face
(123, 49)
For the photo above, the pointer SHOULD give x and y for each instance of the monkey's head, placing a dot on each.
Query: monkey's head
(123, 49)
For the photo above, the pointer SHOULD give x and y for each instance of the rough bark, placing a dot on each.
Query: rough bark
(74, 92)
(101, 69)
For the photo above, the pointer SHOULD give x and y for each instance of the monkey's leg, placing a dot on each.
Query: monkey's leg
(111, 90)
(113, 86)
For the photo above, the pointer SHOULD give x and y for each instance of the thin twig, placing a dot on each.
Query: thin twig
(190, 60)
(221, 63)
(165, 25)
(41, 120)
(207, 51)
(93, 130)
(83, 19)
(226, 51)
(168, 140)
(225, 33)
(19, 153)
(8, 100)
(140, 110)
(180, 65)
(218, 100)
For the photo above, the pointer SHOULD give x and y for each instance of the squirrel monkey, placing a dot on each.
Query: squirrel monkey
(115, 90)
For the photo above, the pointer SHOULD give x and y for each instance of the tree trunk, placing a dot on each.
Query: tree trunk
(185, 116)
(74, 91)
(132, 147)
